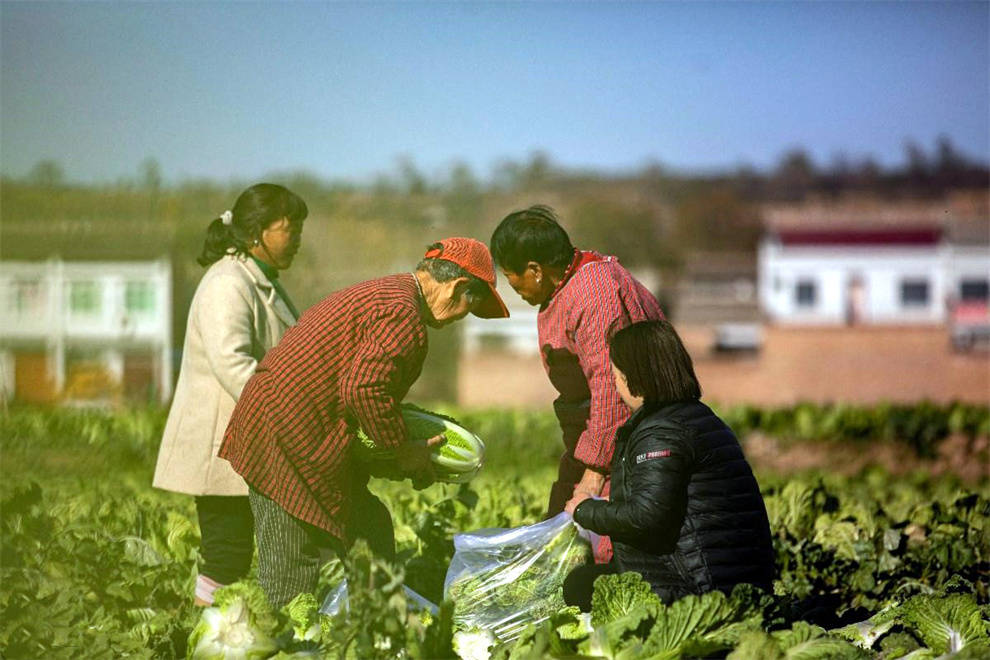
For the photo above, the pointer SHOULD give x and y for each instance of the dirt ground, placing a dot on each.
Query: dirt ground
(970, 461)
(854, 365)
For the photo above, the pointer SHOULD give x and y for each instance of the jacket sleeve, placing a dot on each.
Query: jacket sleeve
(596, 444)
(366, 387)
(225, 321)
(651, 518)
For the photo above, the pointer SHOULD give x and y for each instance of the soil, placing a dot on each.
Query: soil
(966, 458)
(860, 365)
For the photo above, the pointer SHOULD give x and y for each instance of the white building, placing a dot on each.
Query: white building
(838, 272)
(85, 331)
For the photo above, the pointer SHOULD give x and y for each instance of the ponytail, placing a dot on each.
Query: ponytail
(219, 239)
(255, 209)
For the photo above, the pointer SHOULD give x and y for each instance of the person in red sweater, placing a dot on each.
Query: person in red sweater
(347, 364)
(580, 294)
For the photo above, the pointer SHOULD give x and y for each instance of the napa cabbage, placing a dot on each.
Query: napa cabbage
(305, 619)
(233, 628)
(947, 624)
(572, 624)
(615, 596)
(456, 460)
(632, 622)
(473, 644)
(865, 634)
(802, 641)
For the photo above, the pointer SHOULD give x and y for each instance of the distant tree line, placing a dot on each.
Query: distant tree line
(921, 174)
(651, 217)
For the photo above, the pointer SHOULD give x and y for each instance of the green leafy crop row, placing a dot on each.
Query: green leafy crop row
(95, 563)
(922, 426)
(131, 436)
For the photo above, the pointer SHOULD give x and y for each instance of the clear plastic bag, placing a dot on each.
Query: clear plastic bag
(337, 600)
(501, 580)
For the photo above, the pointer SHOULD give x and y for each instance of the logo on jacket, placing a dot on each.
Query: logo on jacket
(650, 455)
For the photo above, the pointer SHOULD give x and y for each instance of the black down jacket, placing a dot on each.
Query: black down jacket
(685, 510)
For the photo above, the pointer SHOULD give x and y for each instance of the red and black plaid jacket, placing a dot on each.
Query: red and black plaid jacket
(346, 364)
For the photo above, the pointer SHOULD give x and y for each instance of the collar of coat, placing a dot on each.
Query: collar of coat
(271, 272)
(646, 410)
(269, 294)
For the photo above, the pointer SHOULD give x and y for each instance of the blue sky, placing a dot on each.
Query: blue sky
(238, 90)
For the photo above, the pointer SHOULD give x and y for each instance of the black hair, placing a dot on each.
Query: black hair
(255, 209)
(443, 271)
(533, 234)
(656, 364)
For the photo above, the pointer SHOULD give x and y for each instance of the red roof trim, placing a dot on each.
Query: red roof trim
(923, 236)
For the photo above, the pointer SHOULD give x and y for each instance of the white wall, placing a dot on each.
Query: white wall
(881, 269)
(965, 262)
(110, 327)
(110, 321)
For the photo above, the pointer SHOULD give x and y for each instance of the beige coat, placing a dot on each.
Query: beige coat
(235, 317)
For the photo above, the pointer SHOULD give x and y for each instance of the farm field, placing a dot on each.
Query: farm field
(867, 364)
(97, 564)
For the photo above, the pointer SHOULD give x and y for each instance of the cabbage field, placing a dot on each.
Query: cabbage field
(96, 564)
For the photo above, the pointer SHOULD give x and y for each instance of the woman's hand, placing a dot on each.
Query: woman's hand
(414, 461)
(591, 483)
(435, 440)
(579, 496)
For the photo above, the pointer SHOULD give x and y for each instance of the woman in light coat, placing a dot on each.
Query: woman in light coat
(238, 312)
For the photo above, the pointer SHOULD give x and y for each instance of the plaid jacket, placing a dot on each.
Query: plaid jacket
(574, 347)
(347, 363)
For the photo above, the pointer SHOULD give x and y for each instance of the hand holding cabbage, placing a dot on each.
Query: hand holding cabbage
(438, 449)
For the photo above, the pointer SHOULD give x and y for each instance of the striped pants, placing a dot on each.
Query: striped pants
(291, 552)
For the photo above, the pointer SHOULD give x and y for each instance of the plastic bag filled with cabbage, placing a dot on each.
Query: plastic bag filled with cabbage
(501, 580)
(456, 460)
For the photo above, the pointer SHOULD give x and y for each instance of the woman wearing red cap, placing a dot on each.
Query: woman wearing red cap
(347, 364)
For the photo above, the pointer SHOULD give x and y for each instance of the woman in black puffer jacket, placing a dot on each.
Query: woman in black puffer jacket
(685, 510)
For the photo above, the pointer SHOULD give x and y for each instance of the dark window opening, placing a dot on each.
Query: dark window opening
(806, 294)
(914, 293)
(974, 290)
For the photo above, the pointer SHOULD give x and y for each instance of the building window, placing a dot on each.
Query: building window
(139, 298)
(805, 293)
(974, 290)
(84, 298)
(29, 297)
(914, 293)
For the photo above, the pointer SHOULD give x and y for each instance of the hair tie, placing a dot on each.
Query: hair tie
(227, 217)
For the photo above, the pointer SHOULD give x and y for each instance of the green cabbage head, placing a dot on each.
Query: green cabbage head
(229, 630)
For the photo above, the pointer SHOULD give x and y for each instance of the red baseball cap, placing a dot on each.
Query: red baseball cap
(474, 257)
